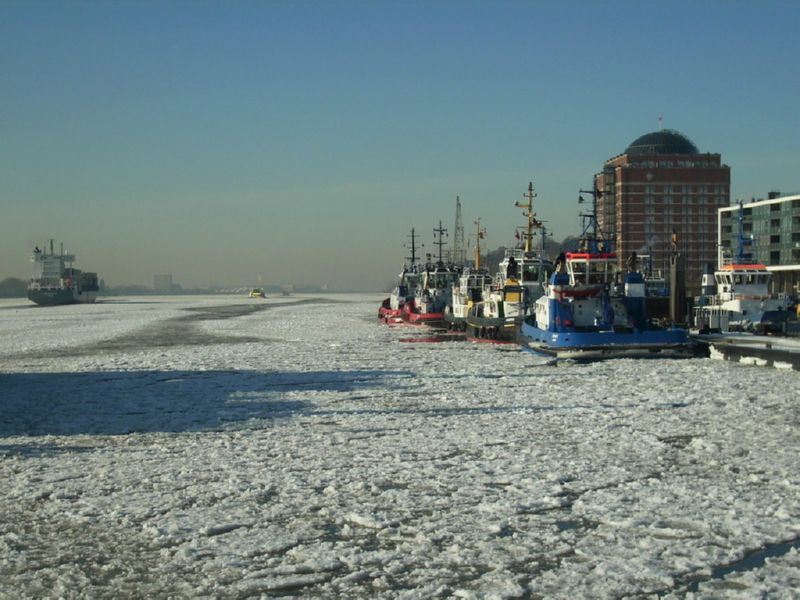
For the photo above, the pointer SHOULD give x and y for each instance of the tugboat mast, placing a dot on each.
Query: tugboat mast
(593, 241)
(413, 258)
(478, 236)
(542, 274)
(459, 252)
(439, 242)
(742, 241)
(532, 221)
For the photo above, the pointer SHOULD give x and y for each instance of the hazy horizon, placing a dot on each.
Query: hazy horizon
(299, 142)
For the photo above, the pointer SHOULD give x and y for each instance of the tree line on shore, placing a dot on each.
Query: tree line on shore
(12, 287)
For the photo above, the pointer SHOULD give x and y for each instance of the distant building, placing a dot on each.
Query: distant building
(162, 284)
(661, 186)
(772, 230)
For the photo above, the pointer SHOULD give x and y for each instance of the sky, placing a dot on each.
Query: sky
(298, 142)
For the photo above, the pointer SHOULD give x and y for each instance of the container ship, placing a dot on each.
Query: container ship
(55, 281)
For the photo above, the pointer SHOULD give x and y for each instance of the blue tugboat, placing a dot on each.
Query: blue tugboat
(591, 310)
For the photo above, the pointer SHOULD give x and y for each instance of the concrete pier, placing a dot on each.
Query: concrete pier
(761, 350)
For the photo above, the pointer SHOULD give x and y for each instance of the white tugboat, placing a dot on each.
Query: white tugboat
(742, 301)
(56, 281)
(518, 283)
(469, 289)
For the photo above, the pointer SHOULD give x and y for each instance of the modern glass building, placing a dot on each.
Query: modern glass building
(765, 232)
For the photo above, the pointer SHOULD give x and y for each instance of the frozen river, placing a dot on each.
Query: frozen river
(224, 447)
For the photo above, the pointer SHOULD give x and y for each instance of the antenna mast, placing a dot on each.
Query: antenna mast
(532, 221)
(413, 258)
(439, 242)
(478, 237)
(590, 222)
(459, 252)
(743, 241)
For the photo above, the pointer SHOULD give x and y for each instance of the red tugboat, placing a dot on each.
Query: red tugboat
(435, 290)
(391, 309)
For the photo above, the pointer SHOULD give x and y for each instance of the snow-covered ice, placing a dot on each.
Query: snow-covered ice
(228, 447)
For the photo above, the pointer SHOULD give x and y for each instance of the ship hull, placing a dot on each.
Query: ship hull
(597, 345)
(430, 319)
(492, 329)
(411, 315)
(455, 323)
(390, 315)
(52, 297)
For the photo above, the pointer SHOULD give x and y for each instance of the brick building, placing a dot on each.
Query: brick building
(662, 185)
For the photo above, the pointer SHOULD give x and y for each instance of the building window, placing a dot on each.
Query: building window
(774, 239)
(775, 257)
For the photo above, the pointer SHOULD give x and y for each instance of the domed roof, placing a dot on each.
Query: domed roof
(666, 141)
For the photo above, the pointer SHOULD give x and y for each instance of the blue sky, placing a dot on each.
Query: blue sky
(299, 142)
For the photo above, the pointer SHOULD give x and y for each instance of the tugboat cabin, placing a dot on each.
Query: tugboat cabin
(591, 270)
(743, 280)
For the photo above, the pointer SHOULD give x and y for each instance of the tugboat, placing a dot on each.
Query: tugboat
(469, 289)
(434, 291)
(742, 301)
(518, 283)
(591, 312)
(391, 309)
(55, 281)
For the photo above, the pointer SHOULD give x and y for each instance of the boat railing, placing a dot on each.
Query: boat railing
(725, 259)
(515, 253)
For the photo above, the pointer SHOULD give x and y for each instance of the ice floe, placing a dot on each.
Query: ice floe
(219, 447)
